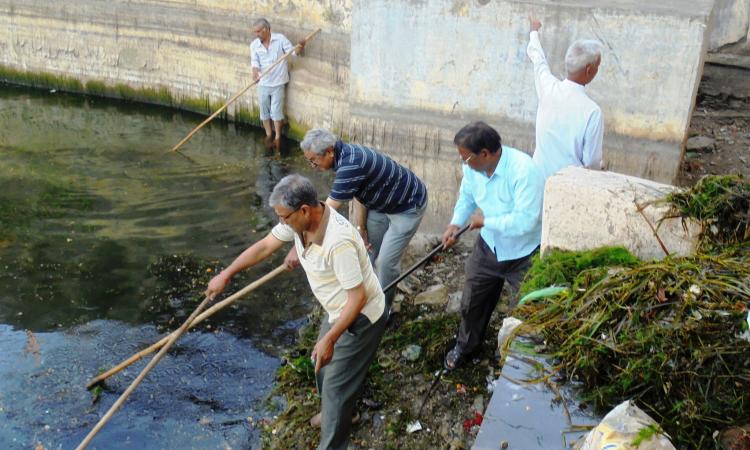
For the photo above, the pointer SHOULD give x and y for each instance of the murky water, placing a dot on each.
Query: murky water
(106, 240)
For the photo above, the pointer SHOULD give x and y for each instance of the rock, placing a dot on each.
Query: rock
(504, 444)
(700, 144)
(737, 438)
(457, 444)
(412, 352)
(433, 295)
(478, 404)
(378, 423)
(506, 329)
(454, 303)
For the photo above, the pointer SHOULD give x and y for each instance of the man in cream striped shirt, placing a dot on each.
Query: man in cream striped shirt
(338, 268)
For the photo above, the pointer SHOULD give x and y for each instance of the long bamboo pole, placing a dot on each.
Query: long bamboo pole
(237, 95)
(113, 409)
(210, 311)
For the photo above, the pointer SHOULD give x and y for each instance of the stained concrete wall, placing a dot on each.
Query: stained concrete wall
(400, 75)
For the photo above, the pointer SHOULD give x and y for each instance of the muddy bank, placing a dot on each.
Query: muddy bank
(399, 389)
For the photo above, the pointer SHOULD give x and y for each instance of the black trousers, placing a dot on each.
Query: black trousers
(485, 277)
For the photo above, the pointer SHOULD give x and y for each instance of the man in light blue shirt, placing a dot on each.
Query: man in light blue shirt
(265, 50)
(505, 186)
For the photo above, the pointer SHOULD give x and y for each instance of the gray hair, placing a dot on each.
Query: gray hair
(292, 192)
(318, 140)
(581, 53)
(262, 22)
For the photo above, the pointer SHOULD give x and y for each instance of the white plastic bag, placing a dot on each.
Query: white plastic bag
(619, 430)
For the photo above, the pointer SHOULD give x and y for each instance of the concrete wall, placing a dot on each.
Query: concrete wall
(729, 23)
(399, 75)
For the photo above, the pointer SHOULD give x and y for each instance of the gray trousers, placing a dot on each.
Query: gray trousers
(389, 235)
(485, 277)
(340, 381)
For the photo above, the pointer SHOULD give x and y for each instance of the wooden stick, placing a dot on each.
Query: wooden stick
(113, 409)
(237, 95)
(210, 311)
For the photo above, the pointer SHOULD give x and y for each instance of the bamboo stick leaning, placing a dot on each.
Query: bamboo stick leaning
(154, 361)
(237, 95)
(198, 319)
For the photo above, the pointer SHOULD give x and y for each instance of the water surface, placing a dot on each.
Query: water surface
(106, 239)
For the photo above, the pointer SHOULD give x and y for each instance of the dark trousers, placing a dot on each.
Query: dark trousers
(340, 382)
(485, 277)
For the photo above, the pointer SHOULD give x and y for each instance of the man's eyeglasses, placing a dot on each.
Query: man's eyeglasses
(283, 219)
(466, 161)
(312, 163)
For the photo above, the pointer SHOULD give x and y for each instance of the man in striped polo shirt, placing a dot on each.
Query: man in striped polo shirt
(389, 200)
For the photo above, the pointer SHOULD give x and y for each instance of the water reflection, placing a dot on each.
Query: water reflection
(90, 198)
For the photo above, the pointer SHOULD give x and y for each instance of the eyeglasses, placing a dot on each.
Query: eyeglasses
(283, 219)
(466, 161)
(312, 163)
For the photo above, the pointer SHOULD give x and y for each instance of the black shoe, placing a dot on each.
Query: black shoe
(454, 358)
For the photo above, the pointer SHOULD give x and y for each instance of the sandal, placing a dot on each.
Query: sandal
(454, 358)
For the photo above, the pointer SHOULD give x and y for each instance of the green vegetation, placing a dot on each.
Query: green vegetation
(157, 95)
(646, 433)
(561, 268)
(722, 206)
(663, 333)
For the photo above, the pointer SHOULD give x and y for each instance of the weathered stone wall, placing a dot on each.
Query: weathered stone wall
(400, 75)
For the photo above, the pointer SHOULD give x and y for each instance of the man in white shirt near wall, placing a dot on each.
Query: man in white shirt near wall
(265, 50)
(569, 126)
(338, 269)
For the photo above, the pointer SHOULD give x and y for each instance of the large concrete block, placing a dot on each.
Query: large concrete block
(729, 23)
(585, 209)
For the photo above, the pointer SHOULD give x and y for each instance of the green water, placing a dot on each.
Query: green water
(106, 241)
(93, 208)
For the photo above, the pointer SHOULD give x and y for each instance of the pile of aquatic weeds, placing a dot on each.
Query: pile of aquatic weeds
(721, 204)
(670, 335)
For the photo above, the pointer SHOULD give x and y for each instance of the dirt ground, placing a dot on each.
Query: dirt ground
(719, 134)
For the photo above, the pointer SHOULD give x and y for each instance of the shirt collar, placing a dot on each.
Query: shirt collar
(574, 85)
(338, 148)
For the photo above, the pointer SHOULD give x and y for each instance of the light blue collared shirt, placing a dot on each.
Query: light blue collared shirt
(511, 201)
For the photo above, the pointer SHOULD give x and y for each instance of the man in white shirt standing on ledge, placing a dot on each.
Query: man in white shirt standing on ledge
(569, 127)
(265, 50)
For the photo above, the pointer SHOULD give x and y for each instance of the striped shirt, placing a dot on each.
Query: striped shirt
(375, 180)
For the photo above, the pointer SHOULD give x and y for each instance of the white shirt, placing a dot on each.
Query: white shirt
(340, 263)
(569, 126)
(262, 58)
